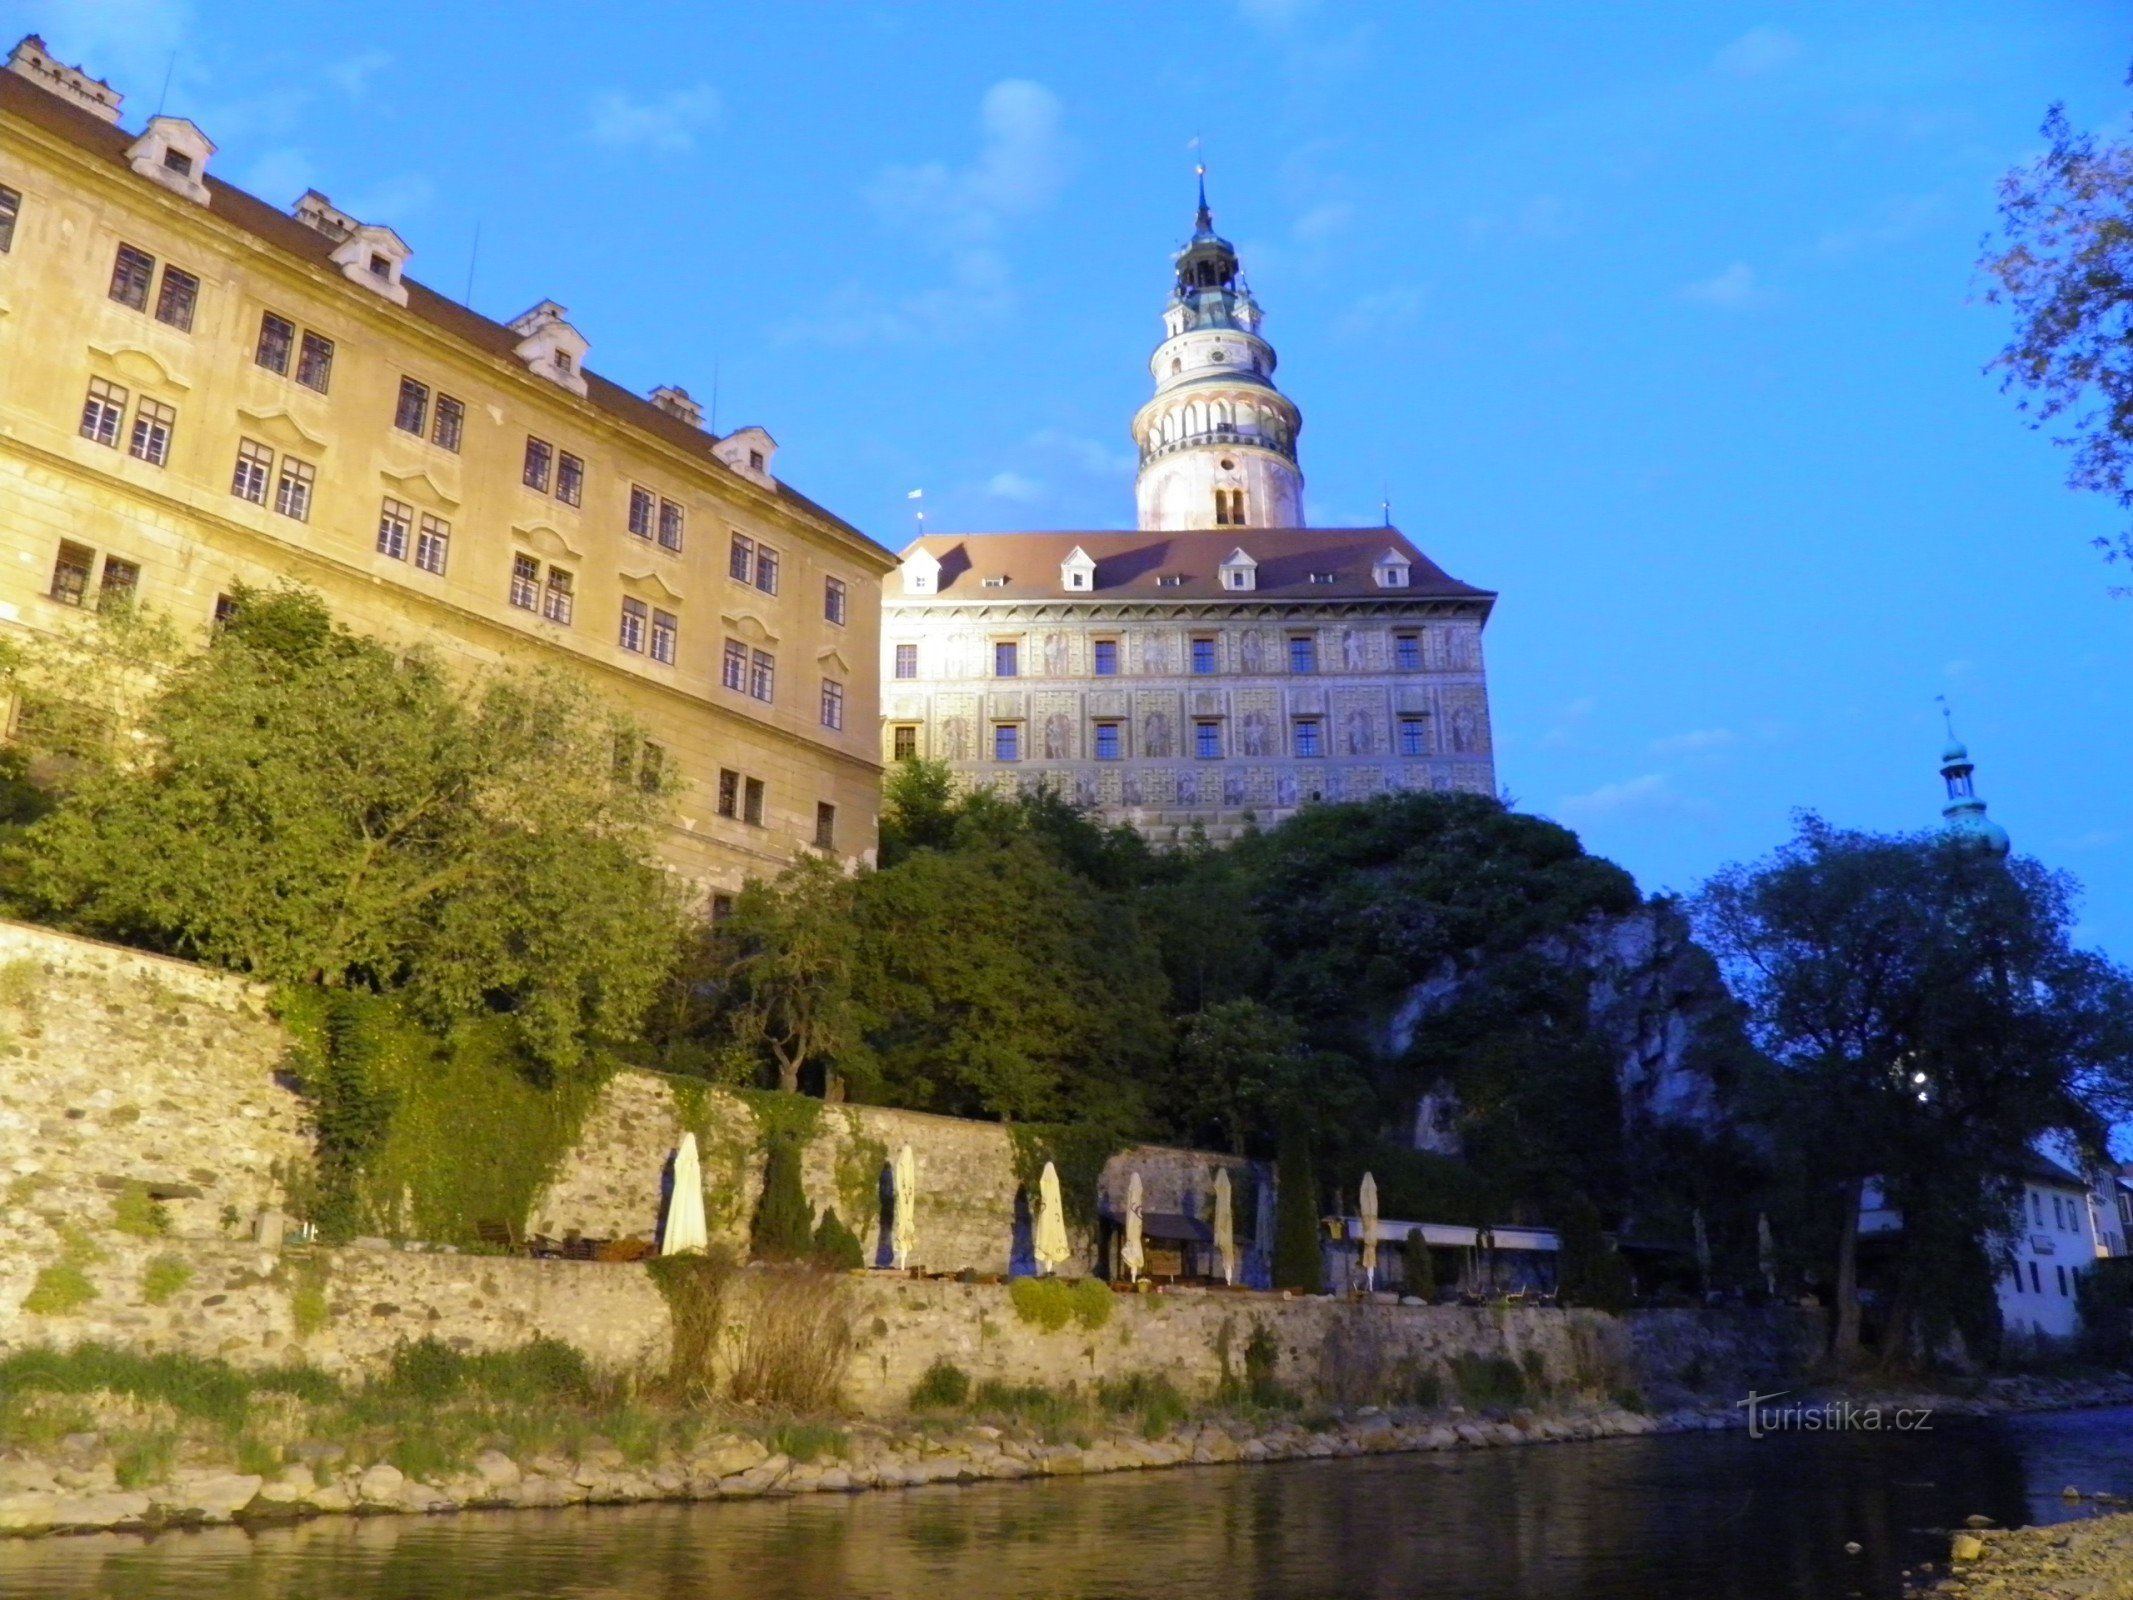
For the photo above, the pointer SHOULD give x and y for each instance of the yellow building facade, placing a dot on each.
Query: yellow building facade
(198, 390)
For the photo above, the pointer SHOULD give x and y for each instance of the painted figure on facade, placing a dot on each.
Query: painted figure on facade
(1361, 738)
(1055, 655)
(1155, 735)
(1056, 735)
(1256, 733)
(1351, 650)
(1188, 788)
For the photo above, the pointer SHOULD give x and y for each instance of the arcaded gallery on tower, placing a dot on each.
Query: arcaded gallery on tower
(1223, 664)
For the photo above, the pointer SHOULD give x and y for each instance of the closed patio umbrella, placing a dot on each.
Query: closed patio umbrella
(1050, 1245)
(683, 1229)
(1766, 1252)
(1133, 1255)
(903, 1234)
(1225, 1228)
(1367, 1202)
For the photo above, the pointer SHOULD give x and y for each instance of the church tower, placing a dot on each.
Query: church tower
(1218, 440)
(1964, 813)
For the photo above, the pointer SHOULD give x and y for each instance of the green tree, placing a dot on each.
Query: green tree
(1239, 1063)
(1298, 1261)
(782, 965)
(302, 804)
(2064, 264)
(1589, 1270)
(1929, 1019)
(1420, 1265)
(784, 1224)
(835, 1246)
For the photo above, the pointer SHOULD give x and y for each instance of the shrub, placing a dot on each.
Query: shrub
(540, 1370)
(1151, 1395)
(1055, 1414)
(1042, 1301)
(1590, 1271)
(795, 1341)
(165, 1276)
(138, 1213)
(945, 1387)
(1298, 1263)
(695, 1291)
(836, 1247)
(1489, 1380)
(807, 1441)
(1420, 1264)
(784, 1228)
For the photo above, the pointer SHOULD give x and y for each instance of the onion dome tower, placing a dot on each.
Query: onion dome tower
(1965, 812)
(1218, 440)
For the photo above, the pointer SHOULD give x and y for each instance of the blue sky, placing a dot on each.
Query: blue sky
(1658, 319)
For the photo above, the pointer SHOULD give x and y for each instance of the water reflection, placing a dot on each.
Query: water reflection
(1715, 1517)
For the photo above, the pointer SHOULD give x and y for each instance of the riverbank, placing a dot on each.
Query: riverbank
(111, 1443)
(2059, 1561)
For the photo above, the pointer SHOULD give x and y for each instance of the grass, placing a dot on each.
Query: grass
(1150, 1396)
(59, 1289)
(137, 1214)
(1489, 1380)
(163, 1278)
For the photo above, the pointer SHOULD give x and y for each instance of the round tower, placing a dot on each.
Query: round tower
(1218, 440)
(1965, 812)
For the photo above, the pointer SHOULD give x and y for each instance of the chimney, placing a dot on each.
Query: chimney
(674, 400)
(33, 61)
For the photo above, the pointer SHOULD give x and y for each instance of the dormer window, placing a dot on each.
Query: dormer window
(550, 346)
(748, 451)
(179, 162)
(173, 153)
(1325, 577)
(1391, 570)
(380, 266)
(368, 253)
(755, 460)
(1078, 571)
(1240, 572)
(922, 571)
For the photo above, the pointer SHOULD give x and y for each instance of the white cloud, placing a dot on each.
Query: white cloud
(959, 214)
(1651, 792)
(1397, 307)
(1544, 216)
(1089, 455)
(1734, 289)
(1759, 51)
(130, 44)
(1323, 222)
(1013, 486)
(669, 124)
(352, 77)
(1696, 739)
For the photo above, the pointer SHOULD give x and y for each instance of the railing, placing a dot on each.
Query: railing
(1237, 437)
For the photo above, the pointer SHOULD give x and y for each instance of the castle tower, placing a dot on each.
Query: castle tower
(1965, 812)
(1218, 440)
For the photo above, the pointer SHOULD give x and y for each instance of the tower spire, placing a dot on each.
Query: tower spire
(1203, 222)
(1964, 814)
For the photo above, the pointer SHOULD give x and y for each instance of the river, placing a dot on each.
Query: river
(1682, 1517)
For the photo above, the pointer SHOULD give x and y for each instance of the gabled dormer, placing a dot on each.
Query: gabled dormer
(749, 451)
(1077, 573)
(551, 347)
(321, 215)
(174, 153)
(372, 255)
(922, 572)
(676, 401)
(1240, 571)
(1391, 570)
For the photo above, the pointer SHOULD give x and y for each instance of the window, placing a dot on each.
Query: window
(433, 547)
(1006, 658)
(2036, 1207)
(1229, 508)
(907, 661)
(153, 424)
(70, 573)
(177, 298)
(1207, 740)
(1407, 651)
(833, 600)
(740, 558)
(766, 560)
(556, 599)
(734, 672)
(451, 423)
(525, 583)
(10, 209)
(1414, 737)
(292, 491)
(1107, 741)
(314, 362)
(721, 907)
(540, 456)
(832, 703)
(1237, 577)
(825, 825)
(666, 632)
(120, 581)
(641, 504)
(396, 521)
(635, 613)
(277, 340)
(1303, 653)
(1203, 656)
(729, 792)
(570, 479)
(255, 464)
(1325, 577)
(131, 274)
(670, 520)
(903, 742)
(225, 611)
(2062, 1278)
(752, 802)
(762, 675)
(412, 412)
(1307, 737)
(2058, 1212)
(651, 761)
(1106, 658)
(103, 413)
(178, 161)
(2036, 1283)
(1007, 741)
(755, 460)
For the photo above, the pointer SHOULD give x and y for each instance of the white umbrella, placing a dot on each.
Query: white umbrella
(1051, 1240)
(1766, 1252)
(1367, 1201)
(903, 1227)
(1225, 1228)
(1131, 1254)
(684, 1228)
